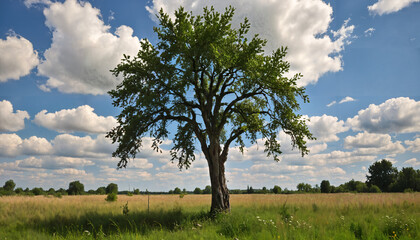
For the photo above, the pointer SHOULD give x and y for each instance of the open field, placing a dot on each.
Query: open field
(297, 216)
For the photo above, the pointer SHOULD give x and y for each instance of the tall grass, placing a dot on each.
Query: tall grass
(300, 216)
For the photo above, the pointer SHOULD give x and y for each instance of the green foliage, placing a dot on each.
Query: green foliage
(38, 191)
(382, 174)
(101, 191)
(197, 190)
(111, 197)
(9, 186)
(407, 178)
(325, 186)
(125, 209)
(136, 191)
(76, 188)
(276, 189)
(374, 189)
(357, 230)
(304, 187)
(216, 85)
(19, 191)
(207, 190)
(177, 190)
(112, 188)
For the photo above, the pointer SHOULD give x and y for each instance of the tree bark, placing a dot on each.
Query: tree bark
(219, 191)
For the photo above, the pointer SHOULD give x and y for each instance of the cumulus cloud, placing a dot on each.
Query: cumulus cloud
(11, 145)
(17, 57)
(325, 128)
(413, 146)
(70, 171)
(412, 162)
(83, 50)
(344, 100)
(81, 119)
(389, 6)
(302, 26)
(36, 146)
(366, 140)
(396, 115)
(53, 162)
(373, 144)
(10, 121)
(75, 146)
(278, 168)
(30, 3)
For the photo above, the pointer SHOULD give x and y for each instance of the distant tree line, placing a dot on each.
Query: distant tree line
(382, 177)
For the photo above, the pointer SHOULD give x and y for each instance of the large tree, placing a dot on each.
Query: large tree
(215, 85)
(381, 174)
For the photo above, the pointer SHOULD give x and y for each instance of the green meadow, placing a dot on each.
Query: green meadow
(253, 216)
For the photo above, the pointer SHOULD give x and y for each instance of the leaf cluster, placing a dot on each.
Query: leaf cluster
(213, 82)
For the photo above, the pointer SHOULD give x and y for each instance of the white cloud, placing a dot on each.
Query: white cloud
(52, 162)
(373, 144)
(10, 145)
(275, 167)
(347, 99)
(325, 128)
(389, 6)
(413, 146)
(74, 146)
(366, 140)
(70, 171)
(396, 115)
(302, 26)
(30, 3)
(76, 119)
(10, 121)
(344, 100)
(412, 162)
(331, 103)
(36, 146)
(17, 57)
(141, 163)
(83, 50)
(369, 32)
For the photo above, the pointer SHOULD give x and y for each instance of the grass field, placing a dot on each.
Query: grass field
(297, 216)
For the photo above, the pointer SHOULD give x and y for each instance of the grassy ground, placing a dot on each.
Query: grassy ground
(299, 216)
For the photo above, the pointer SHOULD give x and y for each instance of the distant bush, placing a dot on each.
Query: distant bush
(112, 188)
(374, 189)
(276, 189)
(197, 190)
(111, 197)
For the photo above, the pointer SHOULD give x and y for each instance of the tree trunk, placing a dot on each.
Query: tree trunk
(219, 191)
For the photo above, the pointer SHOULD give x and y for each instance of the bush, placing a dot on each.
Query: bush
(198, 191)
(112, 197)
(112, 188)
(76, 188)
(276, 189)
(374, 189)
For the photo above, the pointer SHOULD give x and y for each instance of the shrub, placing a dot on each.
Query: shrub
(374, 189)
(277, 189)
(112, 188)
(111, 197)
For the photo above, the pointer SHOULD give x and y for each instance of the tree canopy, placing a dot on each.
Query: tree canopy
(217, 86)
(382, 174)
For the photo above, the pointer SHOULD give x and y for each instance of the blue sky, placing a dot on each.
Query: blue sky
(359, 59)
